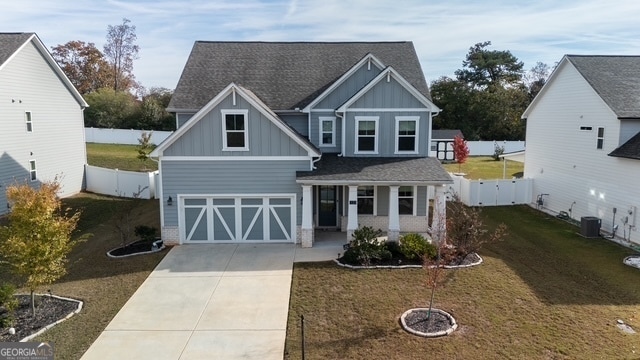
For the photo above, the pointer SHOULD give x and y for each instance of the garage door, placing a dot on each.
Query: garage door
(237, 219)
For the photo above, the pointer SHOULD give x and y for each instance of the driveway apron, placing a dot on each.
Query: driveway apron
(220, 301)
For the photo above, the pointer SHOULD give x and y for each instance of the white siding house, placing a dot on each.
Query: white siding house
(41, 119)
(583, 141)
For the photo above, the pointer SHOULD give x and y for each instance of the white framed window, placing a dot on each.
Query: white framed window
(407, 134)
(600, 141)
(28, 120)
(366, 135)
(235, 134)
(406, 200)
(327, 131)
(33, 176)
(366, 200)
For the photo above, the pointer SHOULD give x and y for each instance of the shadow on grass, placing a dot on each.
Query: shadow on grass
(559, 265)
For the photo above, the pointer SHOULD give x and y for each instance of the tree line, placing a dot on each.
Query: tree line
(106, 81)
(484, 99)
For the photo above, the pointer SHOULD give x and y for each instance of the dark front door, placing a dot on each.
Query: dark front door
(327, 206)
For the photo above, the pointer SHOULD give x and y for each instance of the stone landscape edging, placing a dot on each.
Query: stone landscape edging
(76, 311)
(136, 254)
(452, 320)
(358, 267)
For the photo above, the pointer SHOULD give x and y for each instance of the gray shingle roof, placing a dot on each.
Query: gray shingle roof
(444, 134)
(374, 169)
(630, 149)
(615, 78)
(10, 42)
(285, 75)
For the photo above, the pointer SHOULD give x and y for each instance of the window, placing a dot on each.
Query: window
(27, 117)
(407, 134)
(366, 197)
(32, 170)
(234, 130)
(366, 134)
(600, 142)
(586, 128)
(405, 200)
(327, 131)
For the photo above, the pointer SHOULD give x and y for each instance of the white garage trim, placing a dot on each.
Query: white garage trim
(237, 218)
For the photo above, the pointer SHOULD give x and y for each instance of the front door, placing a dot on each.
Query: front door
(327, 209)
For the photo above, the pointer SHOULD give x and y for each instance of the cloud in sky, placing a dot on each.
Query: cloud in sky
(442, 31)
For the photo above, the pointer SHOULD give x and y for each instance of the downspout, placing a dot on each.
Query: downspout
(313, 162)
(343, 134)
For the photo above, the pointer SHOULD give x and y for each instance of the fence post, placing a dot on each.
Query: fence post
(302, 333)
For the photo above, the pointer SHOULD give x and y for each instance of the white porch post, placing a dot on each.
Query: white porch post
(394, 216)
(427, 207)
(352, 215)
(307, 216)
(439, 223)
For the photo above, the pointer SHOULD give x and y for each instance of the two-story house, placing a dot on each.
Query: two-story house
(41, 119)
(583, 141)
(276, 140)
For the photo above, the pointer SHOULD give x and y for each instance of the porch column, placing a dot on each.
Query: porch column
(352, 215)
(439, 222)
(394, 215)
(307, 216)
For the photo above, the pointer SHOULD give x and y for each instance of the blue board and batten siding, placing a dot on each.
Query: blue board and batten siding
(299, 122)
(182, 118)
(349, 87)
(56, 141)
(204, 138)
(229, 177)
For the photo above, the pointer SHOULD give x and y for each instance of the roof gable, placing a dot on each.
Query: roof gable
(390, 72)
(235, 90)
(12, 43)
(629, 150)
(284, 75)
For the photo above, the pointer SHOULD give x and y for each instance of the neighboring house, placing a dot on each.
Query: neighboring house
(41, 119)
(583, 141)
(442, 144)
(276, 140)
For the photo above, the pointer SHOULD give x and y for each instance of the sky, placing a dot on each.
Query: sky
(442, 31)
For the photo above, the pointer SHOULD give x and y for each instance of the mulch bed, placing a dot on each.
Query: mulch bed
(461, 261)
(417, 320)
(137, 247)
(48, 310)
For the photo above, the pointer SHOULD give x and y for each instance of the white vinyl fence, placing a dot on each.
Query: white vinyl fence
(492, 192)
(121, 183)
(122, 136)
(478, 148)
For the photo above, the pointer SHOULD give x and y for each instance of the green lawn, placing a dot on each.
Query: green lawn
(116, 156)
(484, 167)
(104, 284)
(543, 293)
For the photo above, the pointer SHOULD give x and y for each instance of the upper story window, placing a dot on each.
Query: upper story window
(33, 176)
(235, 135)
(27, 118)
(366, 134)
(406, 200)
(407, 134)
(366, 200)
(600, 142)
(327, 131)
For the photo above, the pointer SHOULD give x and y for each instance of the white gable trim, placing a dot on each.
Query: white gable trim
(253, 101)
(47, 56)
(563, 63)
(390, 72)
(367, 59)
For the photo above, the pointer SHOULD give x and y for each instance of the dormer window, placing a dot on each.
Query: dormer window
(235, 136)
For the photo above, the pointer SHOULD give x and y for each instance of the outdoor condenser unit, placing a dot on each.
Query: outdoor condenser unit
(590, 226)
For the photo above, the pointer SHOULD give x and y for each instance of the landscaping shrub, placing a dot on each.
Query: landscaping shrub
(415, 246)
(8, 304)
(146, 233)
(365, 248)
(465, 229)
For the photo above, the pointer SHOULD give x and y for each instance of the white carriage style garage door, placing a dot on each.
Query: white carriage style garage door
(237, 219)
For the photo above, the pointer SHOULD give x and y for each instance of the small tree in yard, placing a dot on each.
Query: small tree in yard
(435, 273)
(144, 147)
(460, 150)
(38, 238)
(124, 221)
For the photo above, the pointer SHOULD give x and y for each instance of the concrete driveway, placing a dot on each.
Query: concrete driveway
(206, 302)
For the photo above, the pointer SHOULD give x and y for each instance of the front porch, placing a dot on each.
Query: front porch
(392, 194)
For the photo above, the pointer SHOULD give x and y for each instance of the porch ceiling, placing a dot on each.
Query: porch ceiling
(332, 169)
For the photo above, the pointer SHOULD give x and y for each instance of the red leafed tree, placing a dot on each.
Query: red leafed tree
(460, 150)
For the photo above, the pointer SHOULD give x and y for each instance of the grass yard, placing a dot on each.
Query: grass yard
(484, 167)
(117, 156)
(544, 293)
(103, 284)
